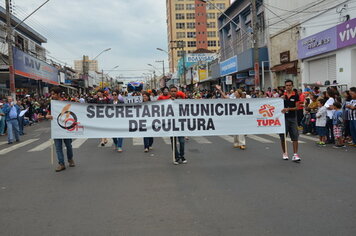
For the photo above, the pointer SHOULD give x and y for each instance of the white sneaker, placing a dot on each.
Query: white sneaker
(296, 158)
(285, 156)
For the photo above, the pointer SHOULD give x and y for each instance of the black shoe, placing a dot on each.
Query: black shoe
(17, 140)
(184, 161)
(176, 162)
(9, 143)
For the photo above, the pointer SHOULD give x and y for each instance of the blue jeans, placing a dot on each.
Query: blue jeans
(180, 153)
(12, 128)
(59, 149)
(147, 142)
(2, 125)
(353, 130)
(118, 142)
(21, 120)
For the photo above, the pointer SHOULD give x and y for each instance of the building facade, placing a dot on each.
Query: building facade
(192, 25)
(237, 53)
(92, 64)
(328, 52)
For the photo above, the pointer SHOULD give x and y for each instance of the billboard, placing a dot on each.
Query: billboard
(28, 66)
(228, 66)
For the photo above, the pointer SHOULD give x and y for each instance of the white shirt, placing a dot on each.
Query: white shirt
(321, 117)
(329, 103)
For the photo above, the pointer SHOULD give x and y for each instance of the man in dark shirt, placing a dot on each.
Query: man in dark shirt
(291, 102)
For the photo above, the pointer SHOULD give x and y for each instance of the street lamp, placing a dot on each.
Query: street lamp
(105, 50)
(160, 49)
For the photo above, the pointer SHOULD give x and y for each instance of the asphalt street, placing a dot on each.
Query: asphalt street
(221, 191)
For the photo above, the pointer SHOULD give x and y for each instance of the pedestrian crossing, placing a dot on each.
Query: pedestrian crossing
(79, 143)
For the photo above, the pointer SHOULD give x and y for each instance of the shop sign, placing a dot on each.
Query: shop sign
(228, 66)
(284, 57)
(346, 33)
(200, 57)
(33, 68)
(228, 80)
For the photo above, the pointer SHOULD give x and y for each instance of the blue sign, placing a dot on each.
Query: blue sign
(33, 68)
(229, 66)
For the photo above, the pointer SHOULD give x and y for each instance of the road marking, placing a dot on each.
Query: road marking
(259, 139)
(79, 142)
(201, 140)
(2, 143)
(277, 136)
(137, 141)
(309, 138)
(42, 146)
(14, 147)
(227, 138)
(166, 140)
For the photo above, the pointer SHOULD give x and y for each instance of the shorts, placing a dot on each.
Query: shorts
(291, 129)
(337, 131)
(322, 131)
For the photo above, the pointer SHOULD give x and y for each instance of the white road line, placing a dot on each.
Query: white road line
(16, 146)
(227, 138)
(259, 139)
(277, 136)
(79, 142)
(42, 146)
(166, 140)
(2, 143)
(137, 141)
(311, 138)
(201, 140)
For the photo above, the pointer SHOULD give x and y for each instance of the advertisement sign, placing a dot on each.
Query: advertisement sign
(200, 57)
(339, 36)
(228, 80)
(228, 66)
(346, 33)
(33, 68)
(316, 44)
(167, 118)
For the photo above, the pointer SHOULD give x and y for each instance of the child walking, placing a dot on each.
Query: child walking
(321, 122)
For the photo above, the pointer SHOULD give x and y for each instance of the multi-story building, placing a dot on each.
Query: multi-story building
(92, 64)
(194, 23)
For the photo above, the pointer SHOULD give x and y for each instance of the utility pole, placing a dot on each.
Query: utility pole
(255, 44)
(10, 52)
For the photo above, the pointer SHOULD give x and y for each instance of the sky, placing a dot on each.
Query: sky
(73, 28)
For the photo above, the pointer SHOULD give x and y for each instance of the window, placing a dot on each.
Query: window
(180, 35)
(180, 53)
(190, 6)
(211, 43)
(210, 7)
(221, 6)
(180, 25)
(210, 15)
(211, 25)
(179, 7)
(192, 44)
(211, 34)
(190, 16)
(191, 35)
(191, 25)
(179, 16)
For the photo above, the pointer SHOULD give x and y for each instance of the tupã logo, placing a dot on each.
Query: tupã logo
(267, 110)
(68, 120)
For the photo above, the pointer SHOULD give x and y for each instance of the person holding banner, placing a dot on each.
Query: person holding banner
(102, 99)
(56, 95)
(117, 98)
(291, 104)
(239, 140)
(147, 141)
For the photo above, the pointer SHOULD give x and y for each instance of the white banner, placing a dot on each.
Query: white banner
(165, 118)
(133, 99)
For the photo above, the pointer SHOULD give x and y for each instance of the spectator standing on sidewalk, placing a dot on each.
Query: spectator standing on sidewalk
(56, 95)
(12, 112)
(2, 120)
(330, 95)
(352, 115)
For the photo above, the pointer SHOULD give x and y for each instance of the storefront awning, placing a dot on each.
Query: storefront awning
(69, 87)
(283, 67)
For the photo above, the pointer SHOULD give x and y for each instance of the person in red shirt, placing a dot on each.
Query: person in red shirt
(165, 95)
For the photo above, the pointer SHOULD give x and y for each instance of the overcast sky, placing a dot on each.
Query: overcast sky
(133, 29)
